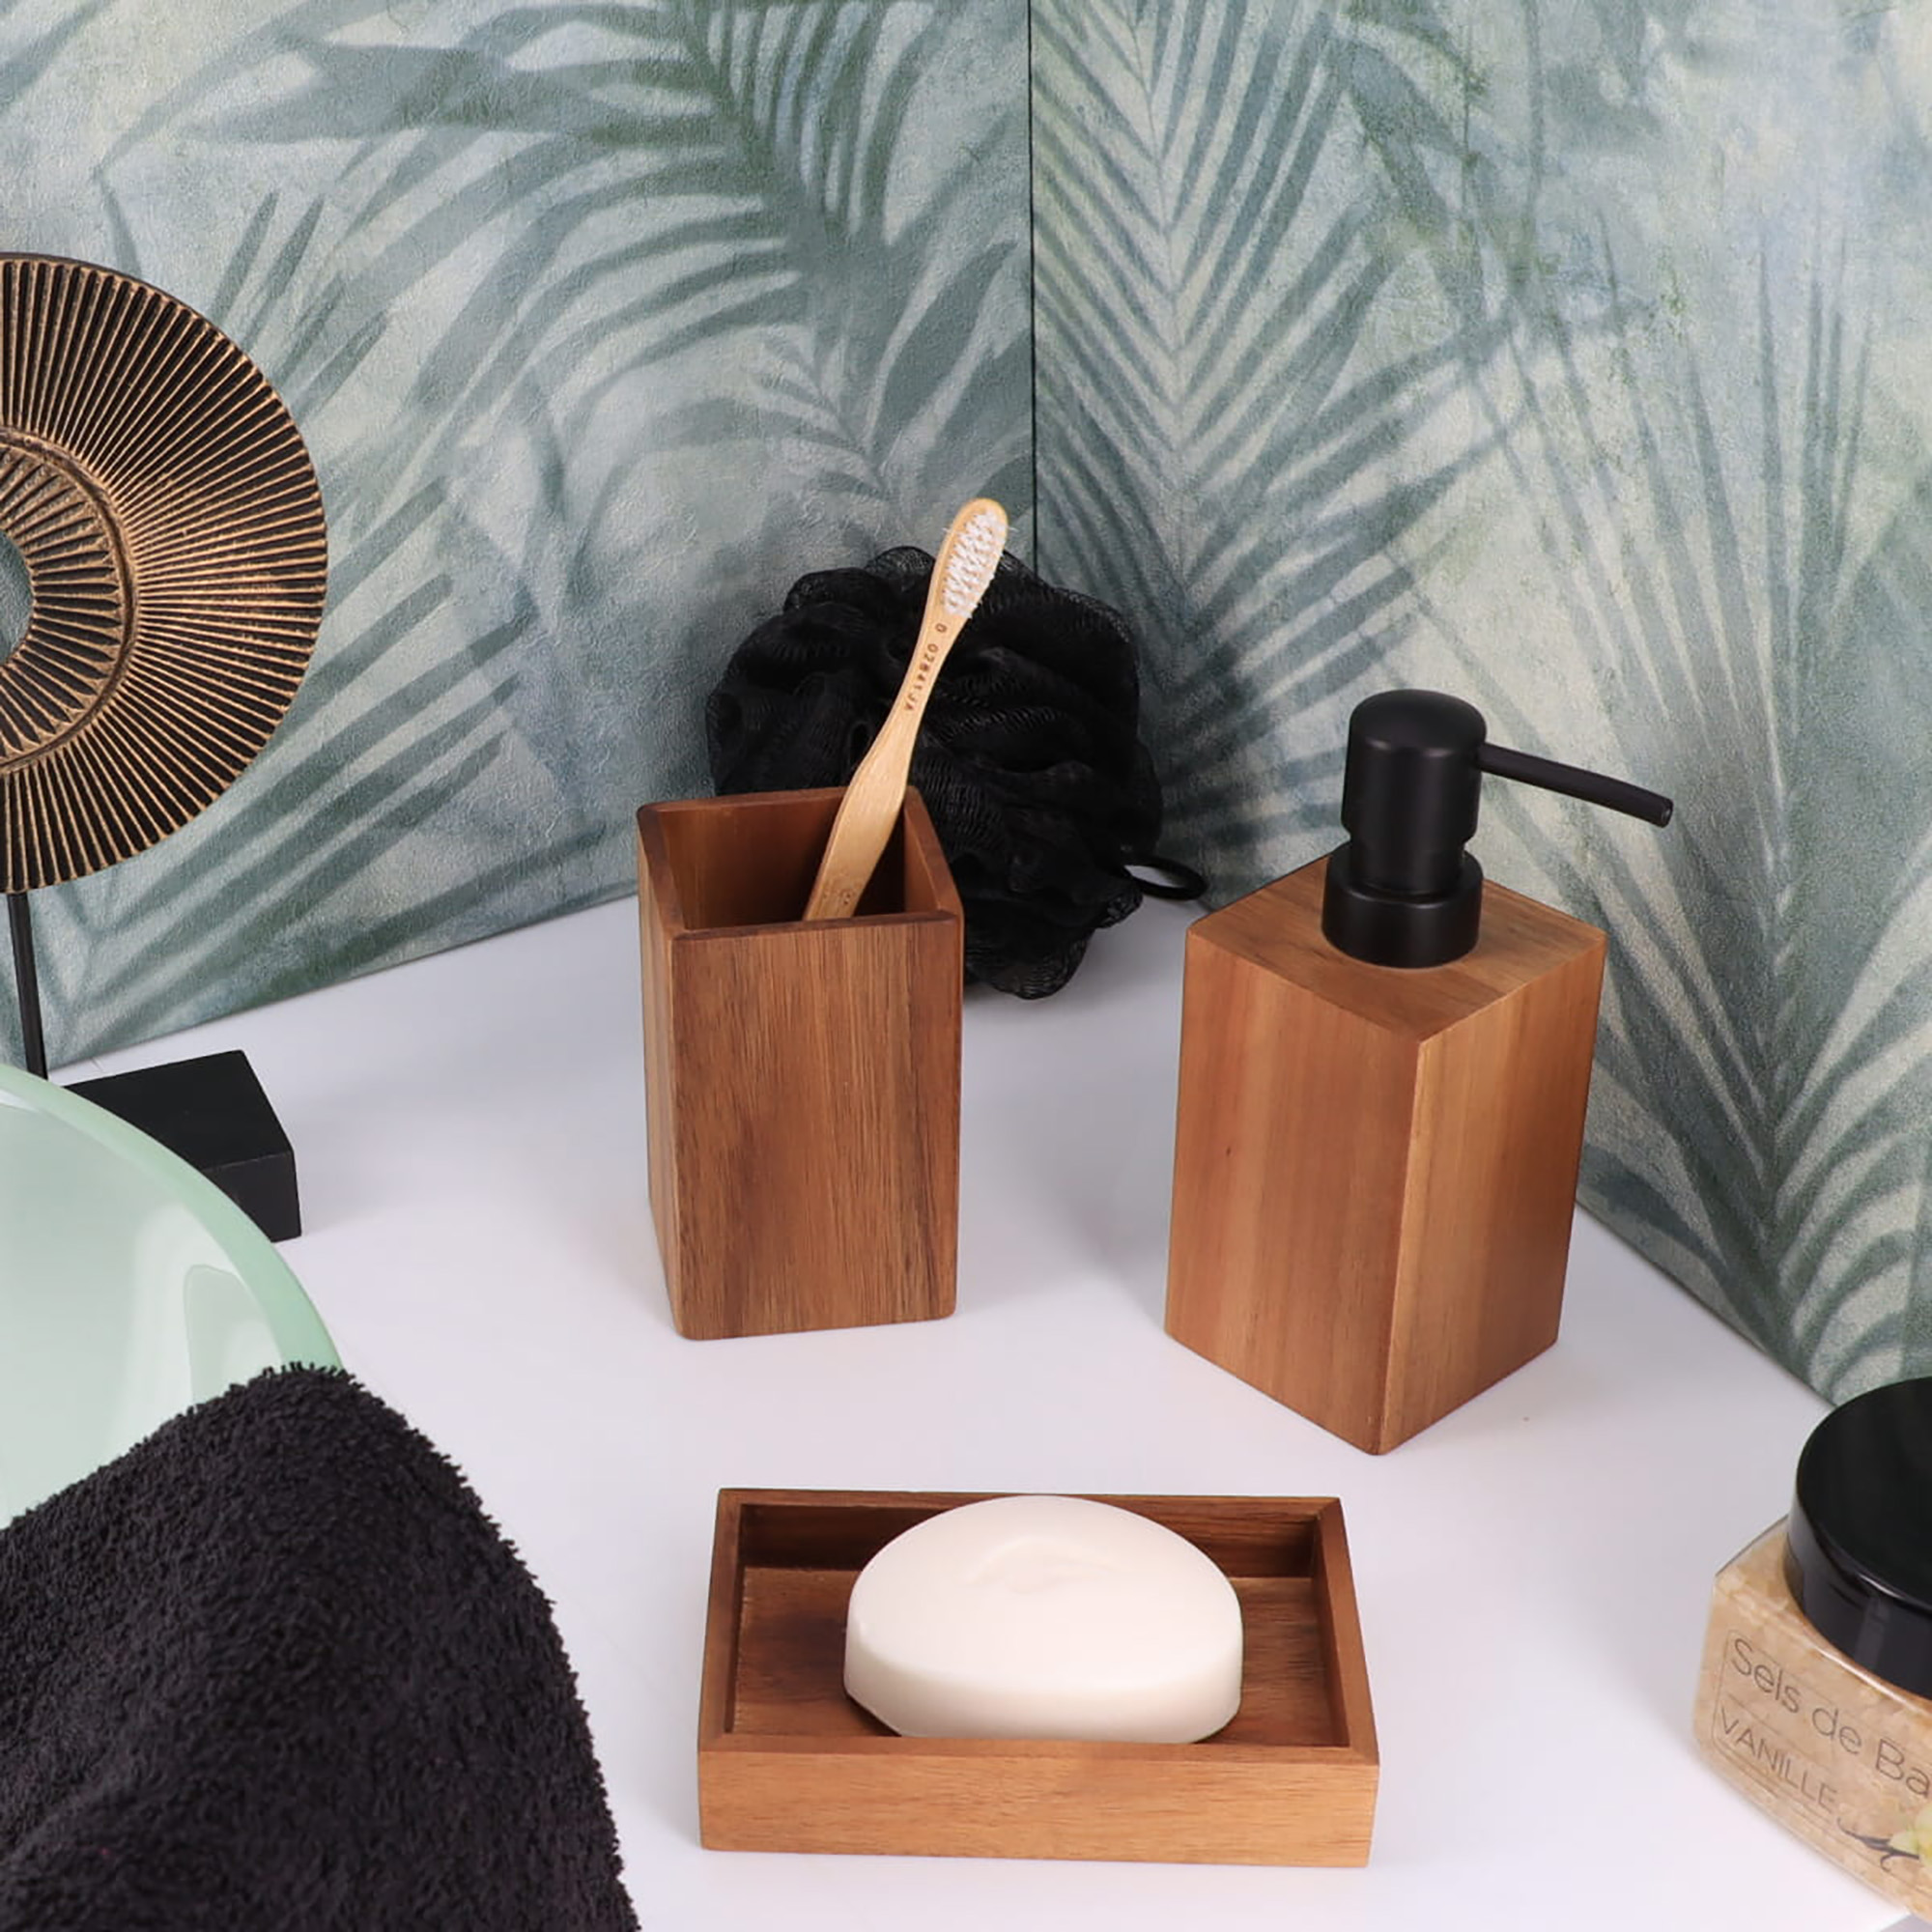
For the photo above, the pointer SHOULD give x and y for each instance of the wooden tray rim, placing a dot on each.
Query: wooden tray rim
(1331, 1569)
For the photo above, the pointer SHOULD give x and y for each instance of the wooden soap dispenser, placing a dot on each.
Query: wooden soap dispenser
(1384, 1072)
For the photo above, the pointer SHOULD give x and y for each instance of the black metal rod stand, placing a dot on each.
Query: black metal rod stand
(27, 984)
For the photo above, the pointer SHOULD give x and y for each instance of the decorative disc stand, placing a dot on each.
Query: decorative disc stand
(165, 509)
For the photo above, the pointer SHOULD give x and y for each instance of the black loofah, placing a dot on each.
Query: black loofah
(274, 1669)
(1028, 758)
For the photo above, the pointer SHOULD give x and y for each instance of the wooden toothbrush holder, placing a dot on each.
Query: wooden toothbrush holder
(802, 1078)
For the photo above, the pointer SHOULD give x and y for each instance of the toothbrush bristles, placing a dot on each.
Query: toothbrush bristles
(972, 560)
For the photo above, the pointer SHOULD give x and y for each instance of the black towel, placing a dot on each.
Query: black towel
(273, 1670)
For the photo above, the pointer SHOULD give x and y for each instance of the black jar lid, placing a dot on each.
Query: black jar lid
(1859, 1538)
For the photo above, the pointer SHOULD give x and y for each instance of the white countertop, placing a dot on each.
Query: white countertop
(1533, 1571)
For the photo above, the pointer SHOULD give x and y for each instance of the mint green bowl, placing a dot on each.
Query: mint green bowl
(131, 1288)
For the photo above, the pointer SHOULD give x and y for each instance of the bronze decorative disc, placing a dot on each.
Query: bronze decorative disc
(167, 513)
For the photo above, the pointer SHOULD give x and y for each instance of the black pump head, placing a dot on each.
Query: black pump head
(1403, 891)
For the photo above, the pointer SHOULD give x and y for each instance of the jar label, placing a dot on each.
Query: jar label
(1838, 1757)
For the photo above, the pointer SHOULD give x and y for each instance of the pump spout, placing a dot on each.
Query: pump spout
(1593, 787)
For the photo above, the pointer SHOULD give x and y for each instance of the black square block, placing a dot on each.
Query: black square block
(213, 1113)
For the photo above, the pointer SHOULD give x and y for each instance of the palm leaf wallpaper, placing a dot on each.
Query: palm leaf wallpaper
(1566, 354)
(603, 322)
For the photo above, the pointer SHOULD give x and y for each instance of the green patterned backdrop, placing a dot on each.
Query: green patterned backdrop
(603, 322)
(1570, 354)
(1567, 354)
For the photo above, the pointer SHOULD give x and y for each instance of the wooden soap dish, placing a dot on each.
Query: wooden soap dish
(787, 1762)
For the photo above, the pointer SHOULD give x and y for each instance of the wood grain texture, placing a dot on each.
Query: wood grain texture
(801, 1081)
(1376, 1170)
(1833, 1753)
(787, 1762)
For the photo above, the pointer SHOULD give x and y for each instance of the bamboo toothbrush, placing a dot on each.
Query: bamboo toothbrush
(965, 565)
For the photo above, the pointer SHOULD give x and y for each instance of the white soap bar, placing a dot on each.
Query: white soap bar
(1045, 1617)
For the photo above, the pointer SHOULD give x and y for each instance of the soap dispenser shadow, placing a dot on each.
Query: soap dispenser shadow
(1384, 1068)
